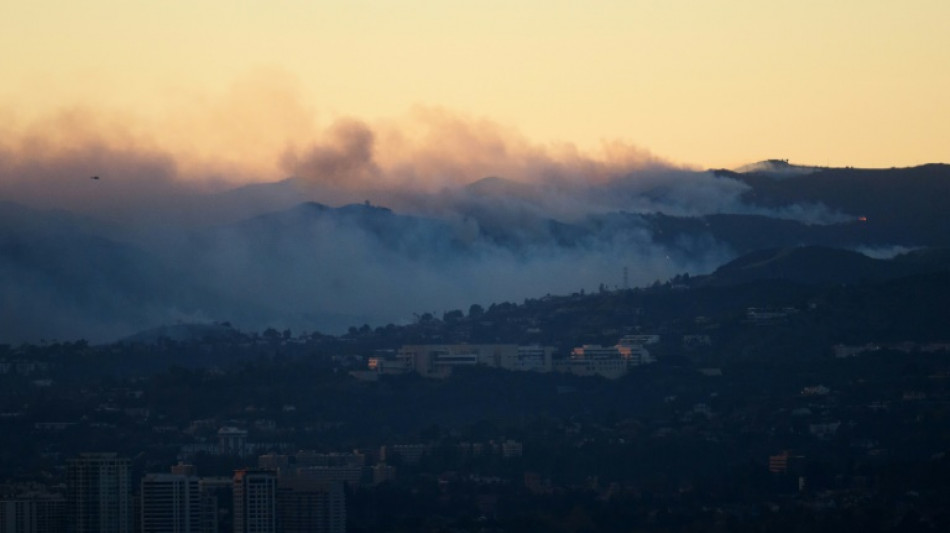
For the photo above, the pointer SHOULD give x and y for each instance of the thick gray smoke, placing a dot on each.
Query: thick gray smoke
(105, 232)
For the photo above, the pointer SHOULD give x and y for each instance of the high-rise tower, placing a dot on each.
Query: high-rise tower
(98, 493)
(255, 501)
(305, 505)
(171, 503)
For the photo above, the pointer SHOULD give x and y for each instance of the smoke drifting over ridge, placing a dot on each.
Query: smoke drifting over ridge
(261, 126)
(197, 228)
(426, 152)
(262, 130)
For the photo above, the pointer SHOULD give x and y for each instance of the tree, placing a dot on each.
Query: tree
(453, 316)
(271, 335)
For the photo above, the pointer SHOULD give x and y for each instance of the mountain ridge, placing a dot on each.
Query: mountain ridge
(330, 267)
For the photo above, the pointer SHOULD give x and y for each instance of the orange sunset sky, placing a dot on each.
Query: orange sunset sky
(228, 87)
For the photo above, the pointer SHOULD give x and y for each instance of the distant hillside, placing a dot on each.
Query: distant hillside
(186, 333)
(822, 265)
(68, 284)
(267, 255)
(900, 205)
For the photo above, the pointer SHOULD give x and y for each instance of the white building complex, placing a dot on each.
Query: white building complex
(610, 362)
(439, 360)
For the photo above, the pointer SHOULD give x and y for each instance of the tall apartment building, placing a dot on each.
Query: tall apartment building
(98, 496)
(255, 501)
(33, 514)
(308, 506)
(171, 503)
(217, 497)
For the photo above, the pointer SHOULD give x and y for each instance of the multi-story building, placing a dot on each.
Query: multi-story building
(609, 361)
(778, 464)
(409, 454)
(217, 494)
(33, 514)
(530, 358)
(439, 360)
(99, 493)
(639, 340)
(255, 501)
(383, 473)
(594, 360)
(232, 441)
(171, 503)
(635, 355)
(308, 506)
(512, 448)
(312, 458)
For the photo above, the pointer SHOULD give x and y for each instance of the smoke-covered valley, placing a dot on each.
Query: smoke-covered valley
(311, 266)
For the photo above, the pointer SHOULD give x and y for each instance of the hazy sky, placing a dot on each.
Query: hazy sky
(699, 83)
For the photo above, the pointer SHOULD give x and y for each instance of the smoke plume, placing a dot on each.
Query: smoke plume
(201, 214)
